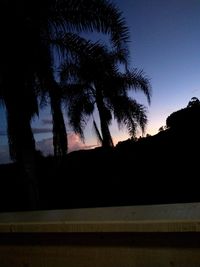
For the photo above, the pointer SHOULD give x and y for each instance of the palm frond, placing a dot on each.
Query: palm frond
(129, 113)
(78, 112)
(137, 80)
(95, 15)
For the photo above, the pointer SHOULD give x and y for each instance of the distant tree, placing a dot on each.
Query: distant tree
(186, 119)
(148, 135)
(193, 102)
(162, 128)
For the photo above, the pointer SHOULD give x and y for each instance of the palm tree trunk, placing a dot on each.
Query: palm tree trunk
(22, 150)
(60, 142)
(106, 136)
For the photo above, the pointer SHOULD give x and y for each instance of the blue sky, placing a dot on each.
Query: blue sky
(165, 43)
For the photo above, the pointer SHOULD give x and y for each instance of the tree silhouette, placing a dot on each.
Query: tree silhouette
(60, 142)
(194, 102)
(186, 119)
(96, 80)
(28, 44)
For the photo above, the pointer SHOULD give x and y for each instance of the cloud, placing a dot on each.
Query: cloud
(2, 133)
(35, 131)
(47, 121)
(45, 146)
(74, 143)
(4, 154)
(41, 130)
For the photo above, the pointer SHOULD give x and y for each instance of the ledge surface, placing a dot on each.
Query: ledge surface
(183, 217)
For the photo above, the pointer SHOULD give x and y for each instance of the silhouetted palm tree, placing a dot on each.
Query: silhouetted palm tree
(60, 142)
(26, 52)
(96, 79)
(36, 25)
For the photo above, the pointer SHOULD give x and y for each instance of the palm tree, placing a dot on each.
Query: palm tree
(97, 80)
(27, 47)
(60, 142)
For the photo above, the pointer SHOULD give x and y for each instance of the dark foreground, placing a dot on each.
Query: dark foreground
(157, 169)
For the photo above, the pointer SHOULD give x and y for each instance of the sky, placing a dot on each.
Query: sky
(165, 43)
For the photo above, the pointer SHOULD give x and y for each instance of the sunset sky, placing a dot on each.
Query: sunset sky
(165, 43)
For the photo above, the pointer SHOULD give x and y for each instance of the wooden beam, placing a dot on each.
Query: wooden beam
(144, 236)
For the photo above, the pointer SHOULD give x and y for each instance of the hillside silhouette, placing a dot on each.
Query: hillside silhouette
(163, 168)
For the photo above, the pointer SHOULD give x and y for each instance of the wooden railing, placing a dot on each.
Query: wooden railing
(135, 236)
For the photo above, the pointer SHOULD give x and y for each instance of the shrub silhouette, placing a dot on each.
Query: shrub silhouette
(186, 120)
